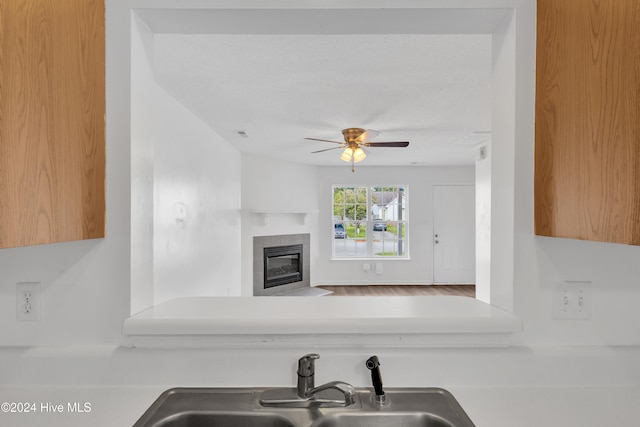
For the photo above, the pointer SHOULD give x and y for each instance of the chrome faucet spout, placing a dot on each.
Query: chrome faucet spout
(346, 389)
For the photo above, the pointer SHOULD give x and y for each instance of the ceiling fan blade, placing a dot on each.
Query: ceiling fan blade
(387, 144)
(326, 149)
(324, 140)
(367, 135)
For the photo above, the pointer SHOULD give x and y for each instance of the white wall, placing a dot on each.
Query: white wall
(273, 185)
(544, 263)
(418, 269)
(195, 177)
(506, 46)
(483, 222)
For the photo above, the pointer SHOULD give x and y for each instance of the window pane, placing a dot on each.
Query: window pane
(370, 222)
(349, 221)
(351, 243)
(356, 230)
(392, 242)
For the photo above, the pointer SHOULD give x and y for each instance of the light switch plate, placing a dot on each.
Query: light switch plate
(572, 300)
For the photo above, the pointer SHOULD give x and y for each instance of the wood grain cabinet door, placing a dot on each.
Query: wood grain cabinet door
(52, 121)
(587, 124)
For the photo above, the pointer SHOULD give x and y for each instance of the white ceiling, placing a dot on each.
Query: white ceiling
(433, 90)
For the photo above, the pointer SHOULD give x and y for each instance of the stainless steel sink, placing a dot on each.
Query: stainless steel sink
(233, 407)
(408, 419)
(213, 419)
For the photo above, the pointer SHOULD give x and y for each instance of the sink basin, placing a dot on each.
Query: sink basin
(232, 407)
(219, 419)
(360, 419)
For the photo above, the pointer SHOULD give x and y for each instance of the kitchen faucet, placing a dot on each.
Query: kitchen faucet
(306, 393)
(306, 381)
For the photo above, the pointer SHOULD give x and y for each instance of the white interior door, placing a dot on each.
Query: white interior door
(454, 234)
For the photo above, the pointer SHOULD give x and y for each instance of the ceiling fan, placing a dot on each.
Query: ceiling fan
(354, 141)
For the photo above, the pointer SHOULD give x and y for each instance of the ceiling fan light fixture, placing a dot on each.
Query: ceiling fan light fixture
(359, 155)
(347, 154)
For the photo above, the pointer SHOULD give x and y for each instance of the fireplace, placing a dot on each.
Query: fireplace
(282, 265)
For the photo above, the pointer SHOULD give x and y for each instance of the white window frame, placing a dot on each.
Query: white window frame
(371, 247)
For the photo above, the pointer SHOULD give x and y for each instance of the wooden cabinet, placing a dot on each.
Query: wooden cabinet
(52, 121)
(587, 124)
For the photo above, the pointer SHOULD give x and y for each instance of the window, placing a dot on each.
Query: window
(370, 222)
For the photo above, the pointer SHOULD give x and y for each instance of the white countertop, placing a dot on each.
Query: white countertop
(445, 317)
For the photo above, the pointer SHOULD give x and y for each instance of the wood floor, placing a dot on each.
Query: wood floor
(410, 290)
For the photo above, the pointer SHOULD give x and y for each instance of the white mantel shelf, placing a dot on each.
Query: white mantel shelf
(428, 321)
(265, 214)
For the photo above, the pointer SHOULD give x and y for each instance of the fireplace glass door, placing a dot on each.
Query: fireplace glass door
(282, 265)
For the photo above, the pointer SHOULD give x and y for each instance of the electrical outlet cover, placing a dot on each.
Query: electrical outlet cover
(28, 301)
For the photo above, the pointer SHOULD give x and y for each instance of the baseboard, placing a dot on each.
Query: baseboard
(371, 284)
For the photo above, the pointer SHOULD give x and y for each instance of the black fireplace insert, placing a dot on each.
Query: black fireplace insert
(282, 265)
